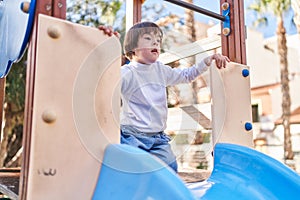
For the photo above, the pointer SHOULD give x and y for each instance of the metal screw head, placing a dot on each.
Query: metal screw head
(48, 7)
(59, 5)
(225, 6)
(226, 31)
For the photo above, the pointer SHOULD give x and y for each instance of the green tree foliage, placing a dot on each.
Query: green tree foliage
(93, 12)
(14, 104)
(97, 12)
(15, 84)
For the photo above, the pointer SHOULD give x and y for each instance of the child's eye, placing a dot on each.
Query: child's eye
(147, 38)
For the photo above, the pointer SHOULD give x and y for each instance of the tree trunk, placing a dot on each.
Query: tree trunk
(285, 89)
(190, 23)
(5, 134)
(190, 32)
(12, 135)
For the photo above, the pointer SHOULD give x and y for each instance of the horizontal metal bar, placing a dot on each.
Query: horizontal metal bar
(197, 9)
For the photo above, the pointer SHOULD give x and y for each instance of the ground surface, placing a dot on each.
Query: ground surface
(9, 180)
(194, 176)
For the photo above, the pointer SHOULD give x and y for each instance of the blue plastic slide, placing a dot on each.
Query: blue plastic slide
(239, 173)
(16, 24)
(243, 173)
(131, 173)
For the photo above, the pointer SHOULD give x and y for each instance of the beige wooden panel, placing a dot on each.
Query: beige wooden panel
(231, 105)
(77, 91)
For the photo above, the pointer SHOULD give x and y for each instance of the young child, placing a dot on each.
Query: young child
(143, 90)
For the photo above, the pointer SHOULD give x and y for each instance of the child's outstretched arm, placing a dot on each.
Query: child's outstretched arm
(221, 60)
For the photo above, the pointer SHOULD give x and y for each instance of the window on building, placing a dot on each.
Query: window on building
(255, 113)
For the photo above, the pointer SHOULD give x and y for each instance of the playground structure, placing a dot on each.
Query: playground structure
(71, 132)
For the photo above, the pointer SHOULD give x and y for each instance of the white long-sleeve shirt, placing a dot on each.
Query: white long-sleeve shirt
(144, 96)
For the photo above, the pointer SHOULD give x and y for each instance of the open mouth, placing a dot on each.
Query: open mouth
(154, 50)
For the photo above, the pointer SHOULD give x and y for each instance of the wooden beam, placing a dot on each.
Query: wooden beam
(133, 12)
(137, 11)
(59, 9)
(9, 182)
(234, 45)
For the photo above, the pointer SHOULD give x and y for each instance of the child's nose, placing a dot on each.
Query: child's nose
(155, 42)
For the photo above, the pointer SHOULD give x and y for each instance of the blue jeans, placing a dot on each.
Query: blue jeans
(156, 144)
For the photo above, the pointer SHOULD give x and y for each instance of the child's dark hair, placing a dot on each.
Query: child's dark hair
(131, 37)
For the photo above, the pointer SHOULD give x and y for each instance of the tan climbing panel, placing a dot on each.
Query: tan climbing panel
(76, 100)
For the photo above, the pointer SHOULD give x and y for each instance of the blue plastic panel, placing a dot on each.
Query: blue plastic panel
(15, 26)
(239, 173)
(243, 173)
(131, 173)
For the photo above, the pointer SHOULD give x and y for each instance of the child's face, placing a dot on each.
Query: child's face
(148, 48)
